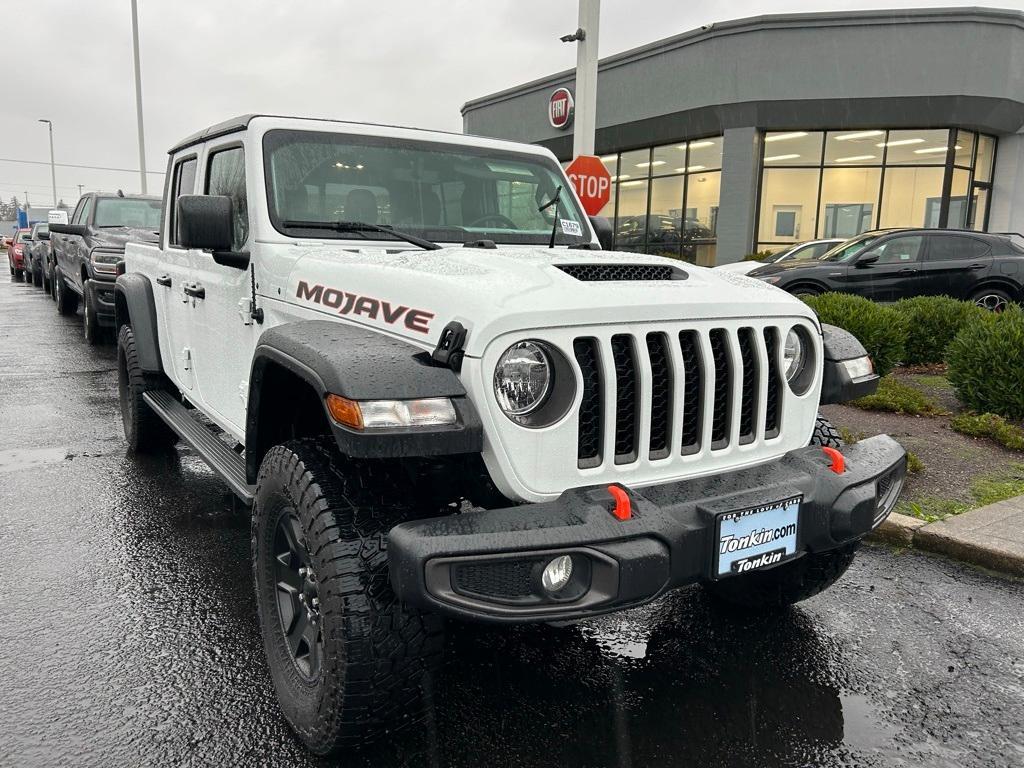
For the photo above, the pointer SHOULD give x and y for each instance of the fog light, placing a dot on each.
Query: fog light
(557, 573)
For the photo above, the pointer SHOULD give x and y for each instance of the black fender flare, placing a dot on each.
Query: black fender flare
(133, 294)
(837, 386)
(362, 364)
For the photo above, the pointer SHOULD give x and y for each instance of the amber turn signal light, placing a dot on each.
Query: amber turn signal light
(345, 411)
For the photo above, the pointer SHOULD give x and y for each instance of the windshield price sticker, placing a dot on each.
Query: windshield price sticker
(757, 537)
(571, 227)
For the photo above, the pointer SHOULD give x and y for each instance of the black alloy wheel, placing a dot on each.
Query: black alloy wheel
(298, 598)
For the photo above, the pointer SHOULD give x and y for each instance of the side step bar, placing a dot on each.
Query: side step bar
(222, 460)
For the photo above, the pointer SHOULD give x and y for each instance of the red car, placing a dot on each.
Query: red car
(16, 253)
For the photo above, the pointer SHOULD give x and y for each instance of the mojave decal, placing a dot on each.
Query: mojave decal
(353, 304)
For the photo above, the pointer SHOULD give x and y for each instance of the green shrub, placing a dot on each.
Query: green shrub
(986, 364)
(932, 322)
(758, 255)
(896, 396)
(914, 463)
(990, 425)
(882, 330)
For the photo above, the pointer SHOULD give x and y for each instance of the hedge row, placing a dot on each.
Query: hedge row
(984, 350)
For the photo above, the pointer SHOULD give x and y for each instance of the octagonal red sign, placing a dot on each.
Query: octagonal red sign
(592, 182)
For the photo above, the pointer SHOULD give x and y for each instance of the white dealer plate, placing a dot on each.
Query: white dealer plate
(756, 537)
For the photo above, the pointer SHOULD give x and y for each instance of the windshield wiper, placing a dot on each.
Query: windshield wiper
(361, 226)
(554, 224)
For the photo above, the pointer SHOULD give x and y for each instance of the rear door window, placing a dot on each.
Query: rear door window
(956, 247)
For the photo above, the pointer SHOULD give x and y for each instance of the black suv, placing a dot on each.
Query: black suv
(87, 250)
(888, 265)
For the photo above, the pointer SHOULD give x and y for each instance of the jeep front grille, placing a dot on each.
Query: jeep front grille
(660, 394)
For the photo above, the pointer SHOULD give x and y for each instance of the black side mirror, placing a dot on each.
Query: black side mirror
(69, 229)
(603, 230)
(204, 222)
(867, 258)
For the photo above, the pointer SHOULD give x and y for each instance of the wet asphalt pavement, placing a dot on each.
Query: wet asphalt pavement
(127, 630)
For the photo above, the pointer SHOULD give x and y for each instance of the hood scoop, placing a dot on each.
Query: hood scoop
(622, 272)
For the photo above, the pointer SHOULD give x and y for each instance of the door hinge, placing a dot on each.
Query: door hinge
(245, 311)
(186, 359)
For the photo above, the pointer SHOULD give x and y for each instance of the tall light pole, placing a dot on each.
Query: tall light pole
(53, 165)
(138, 95)
(585, 37)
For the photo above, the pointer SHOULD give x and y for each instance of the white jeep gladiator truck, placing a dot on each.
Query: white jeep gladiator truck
(443, 395)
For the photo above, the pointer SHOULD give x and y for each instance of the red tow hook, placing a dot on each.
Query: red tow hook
(838, 460)
(623, 509)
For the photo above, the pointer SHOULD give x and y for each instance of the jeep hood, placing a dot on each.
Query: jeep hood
(495, 291)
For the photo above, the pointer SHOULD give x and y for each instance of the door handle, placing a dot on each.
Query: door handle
(164, 280)
(195, 290)
(907, 271)
(976, 266)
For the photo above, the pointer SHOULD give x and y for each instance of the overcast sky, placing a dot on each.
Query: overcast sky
(392, 61)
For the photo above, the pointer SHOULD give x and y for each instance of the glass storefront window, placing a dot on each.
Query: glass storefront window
(665, 217)
(792, 148)
(983, 163)
(611, 164)
(917, 147)
(669, 159)
(912, 197)
(963, 150)
(872, 178)
(849, 197)
(635, 164)
(789, 200)
(958, 200)
(705, 154)
(854, 147)
(700, 223)
(631, 220)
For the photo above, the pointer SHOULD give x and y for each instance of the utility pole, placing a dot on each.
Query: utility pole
(586, 37)
(80, 189)
(138, 94)
(53, 165)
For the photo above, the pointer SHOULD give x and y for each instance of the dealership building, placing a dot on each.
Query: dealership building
(753, 134)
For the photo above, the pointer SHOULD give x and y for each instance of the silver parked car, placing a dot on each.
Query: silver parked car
(806, 251)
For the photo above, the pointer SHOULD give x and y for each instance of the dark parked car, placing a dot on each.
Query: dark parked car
(888, 265)
(37, 252)
(87, 250)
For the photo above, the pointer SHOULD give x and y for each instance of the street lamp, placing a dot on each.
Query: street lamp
(53, 165)
(138, 95)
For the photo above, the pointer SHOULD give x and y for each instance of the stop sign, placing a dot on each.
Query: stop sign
(591, 181)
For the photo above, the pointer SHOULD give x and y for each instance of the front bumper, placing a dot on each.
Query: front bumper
(485, 565)
(103, 288)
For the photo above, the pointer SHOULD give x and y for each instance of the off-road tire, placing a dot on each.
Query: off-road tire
(143, 429)
(37, 277)
(18, 274)
(90, 322)
(786, 584)
(67, 300)
(47, 284)
(376, 652)
(825, 434)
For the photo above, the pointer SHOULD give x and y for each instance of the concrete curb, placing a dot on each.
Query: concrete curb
(991, 537)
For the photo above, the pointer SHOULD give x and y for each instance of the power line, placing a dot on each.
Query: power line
(71, 165)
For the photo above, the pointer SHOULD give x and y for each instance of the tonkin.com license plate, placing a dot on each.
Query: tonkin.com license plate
(757, 537)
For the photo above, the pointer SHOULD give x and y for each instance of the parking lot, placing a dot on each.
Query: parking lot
(130, 634)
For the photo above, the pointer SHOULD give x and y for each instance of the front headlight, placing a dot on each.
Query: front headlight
(522, 378)
(793, 355)
(105, 260)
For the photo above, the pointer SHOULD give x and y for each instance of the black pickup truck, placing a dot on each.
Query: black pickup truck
(87, 250)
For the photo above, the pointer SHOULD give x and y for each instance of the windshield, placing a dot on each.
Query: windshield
(847, 250)
(128, 212)
(435, 191)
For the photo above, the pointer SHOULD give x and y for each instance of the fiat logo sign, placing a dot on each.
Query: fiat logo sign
(560, 109)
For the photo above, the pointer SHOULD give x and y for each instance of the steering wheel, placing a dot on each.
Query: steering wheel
(505, 221)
